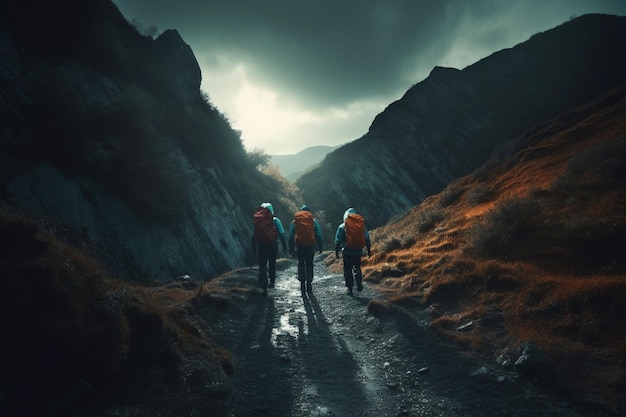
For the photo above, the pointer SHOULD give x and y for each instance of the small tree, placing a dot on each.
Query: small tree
(258, 158)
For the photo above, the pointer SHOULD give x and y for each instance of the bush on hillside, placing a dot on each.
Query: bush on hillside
(479, 194)
(429, 217)
(503, 229)
(258, 158)
(389, 244)
(450, 194)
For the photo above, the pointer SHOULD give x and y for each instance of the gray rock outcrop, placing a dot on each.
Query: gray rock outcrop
(207, 240)
(180, 63)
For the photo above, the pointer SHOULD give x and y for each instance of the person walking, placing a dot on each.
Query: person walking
(350, 239)
(305, 233)
(268, 231)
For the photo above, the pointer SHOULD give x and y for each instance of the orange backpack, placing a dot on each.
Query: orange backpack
(355, 231)
(305, 229)
(264, 228)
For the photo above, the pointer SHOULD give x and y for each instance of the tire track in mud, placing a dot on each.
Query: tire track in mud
(323, 354)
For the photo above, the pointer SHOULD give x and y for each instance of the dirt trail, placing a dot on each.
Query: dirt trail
(323, 354)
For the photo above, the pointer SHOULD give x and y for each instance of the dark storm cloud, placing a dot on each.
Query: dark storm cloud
(310, 46)
(321, 55)
(337, 51)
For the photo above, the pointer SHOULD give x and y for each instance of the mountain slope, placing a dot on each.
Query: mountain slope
(528, 248)
(292, 166)
(448, 124)
(107, 131)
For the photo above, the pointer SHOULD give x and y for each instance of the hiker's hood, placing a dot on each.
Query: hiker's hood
(305, 208)
(269, 206)
(349, 211)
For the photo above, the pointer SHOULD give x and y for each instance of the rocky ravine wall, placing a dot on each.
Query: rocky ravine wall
(210, 237)
(208, 240)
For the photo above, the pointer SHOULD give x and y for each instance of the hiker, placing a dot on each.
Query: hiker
(305, 233)
(351, 238)
(268, 230)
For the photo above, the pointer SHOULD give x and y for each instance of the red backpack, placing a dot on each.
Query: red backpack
(264, 228)
(355, 231)
(305, 229)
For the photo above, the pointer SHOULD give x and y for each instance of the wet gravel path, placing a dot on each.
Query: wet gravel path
(324, 354)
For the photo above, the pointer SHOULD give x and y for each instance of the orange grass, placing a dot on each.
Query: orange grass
(534, 253)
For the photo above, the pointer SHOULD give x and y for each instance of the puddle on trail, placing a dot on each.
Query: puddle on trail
(284, 327)
(289, 303)
(293, 321)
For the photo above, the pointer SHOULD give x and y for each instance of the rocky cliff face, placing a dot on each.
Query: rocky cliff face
(210, 238)
(106, 131)
(448, 124)
(179, 62)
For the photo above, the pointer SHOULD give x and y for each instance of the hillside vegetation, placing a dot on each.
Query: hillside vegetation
(530, 247)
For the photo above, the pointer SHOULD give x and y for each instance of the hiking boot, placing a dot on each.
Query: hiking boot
(309, 287)
(349, 291)
(359, 287)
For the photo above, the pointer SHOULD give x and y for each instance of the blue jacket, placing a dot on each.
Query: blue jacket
(281, 232)
(340, 238)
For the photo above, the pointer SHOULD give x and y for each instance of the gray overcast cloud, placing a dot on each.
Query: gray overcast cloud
(291, 74)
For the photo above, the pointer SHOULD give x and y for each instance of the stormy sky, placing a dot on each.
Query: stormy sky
(292, 73)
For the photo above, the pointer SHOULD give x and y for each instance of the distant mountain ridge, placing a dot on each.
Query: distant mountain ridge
(448, 124)
(293, 165)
